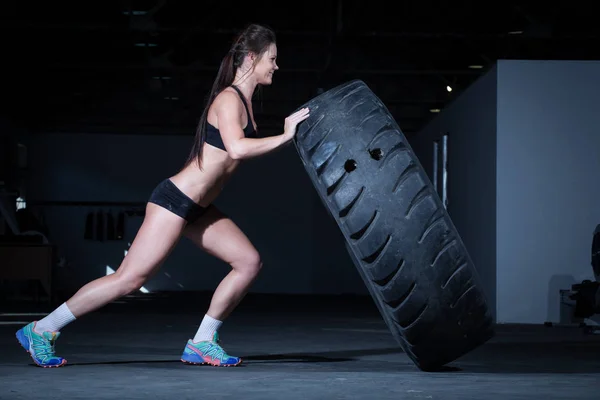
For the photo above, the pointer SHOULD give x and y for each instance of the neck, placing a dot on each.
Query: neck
(245, 82)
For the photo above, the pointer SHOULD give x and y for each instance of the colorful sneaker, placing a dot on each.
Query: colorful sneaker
(208, 352)
(40, 347)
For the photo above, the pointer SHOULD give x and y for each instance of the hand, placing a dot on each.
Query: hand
(292, 121)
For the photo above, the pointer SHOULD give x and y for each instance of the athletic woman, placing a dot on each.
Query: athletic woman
(182, 206)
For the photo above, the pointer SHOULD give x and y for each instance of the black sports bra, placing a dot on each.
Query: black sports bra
(213, 136)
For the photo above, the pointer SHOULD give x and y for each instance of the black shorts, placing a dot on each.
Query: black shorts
(168, 196)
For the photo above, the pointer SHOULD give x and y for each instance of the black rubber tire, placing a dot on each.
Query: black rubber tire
(596, 253)
(399, 235)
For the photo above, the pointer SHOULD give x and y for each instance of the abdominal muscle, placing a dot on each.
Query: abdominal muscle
(204, 185)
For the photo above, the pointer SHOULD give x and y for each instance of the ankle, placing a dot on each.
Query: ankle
(36, 328)
(54, 321)
(207, 329)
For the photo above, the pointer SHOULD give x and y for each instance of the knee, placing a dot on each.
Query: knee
(130, 283)
(251, 263)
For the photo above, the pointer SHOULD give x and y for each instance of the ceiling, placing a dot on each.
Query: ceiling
(146, 66)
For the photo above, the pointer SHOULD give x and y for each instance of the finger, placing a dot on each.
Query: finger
(300, 119)
(301, 111)
(300, 114)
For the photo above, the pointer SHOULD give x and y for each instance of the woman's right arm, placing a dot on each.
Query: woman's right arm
(238, 146)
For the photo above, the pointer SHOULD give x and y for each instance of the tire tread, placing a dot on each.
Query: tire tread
(397, 231)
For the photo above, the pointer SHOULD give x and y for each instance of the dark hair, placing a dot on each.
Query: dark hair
(254, 38)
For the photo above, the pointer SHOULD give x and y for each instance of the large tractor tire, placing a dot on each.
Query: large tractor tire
(399, 235)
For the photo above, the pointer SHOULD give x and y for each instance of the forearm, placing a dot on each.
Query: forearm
(250, 147)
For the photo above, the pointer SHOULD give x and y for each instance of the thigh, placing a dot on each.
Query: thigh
(159, 233)
(220, 237)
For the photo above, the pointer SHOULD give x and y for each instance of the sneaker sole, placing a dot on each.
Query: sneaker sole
(211, 364)
(24, 342)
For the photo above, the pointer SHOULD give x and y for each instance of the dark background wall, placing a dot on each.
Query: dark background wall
(109, 94)
(12, 184)
(9, 139)
(470, 123)
(547, 183)
(522, 180)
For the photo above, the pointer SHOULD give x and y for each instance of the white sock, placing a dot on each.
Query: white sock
(56, 320)
(207, 329)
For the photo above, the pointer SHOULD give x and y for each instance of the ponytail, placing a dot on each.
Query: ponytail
(224, 79)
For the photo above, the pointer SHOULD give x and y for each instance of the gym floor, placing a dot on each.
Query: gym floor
(294, 347)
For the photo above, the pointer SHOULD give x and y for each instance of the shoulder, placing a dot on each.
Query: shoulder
(227, 100)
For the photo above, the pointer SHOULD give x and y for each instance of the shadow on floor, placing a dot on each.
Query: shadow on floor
(489, 360)
(328, 357)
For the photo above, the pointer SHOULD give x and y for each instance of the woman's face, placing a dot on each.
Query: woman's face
(266, 66)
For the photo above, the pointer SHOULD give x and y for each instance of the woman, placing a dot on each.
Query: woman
(181, 206)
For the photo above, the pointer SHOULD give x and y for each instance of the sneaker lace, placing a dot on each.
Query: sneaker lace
(45, 347)
(221, 354)
(50, 347)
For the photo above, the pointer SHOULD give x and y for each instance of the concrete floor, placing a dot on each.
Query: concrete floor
(294, 348)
